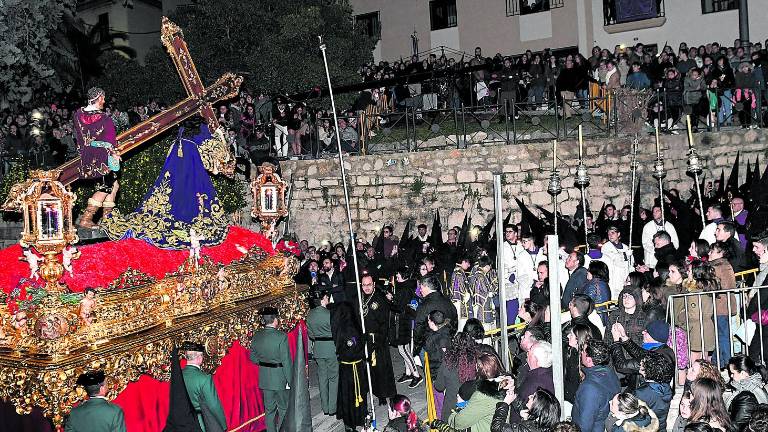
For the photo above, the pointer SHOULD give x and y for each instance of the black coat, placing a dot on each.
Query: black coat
(754, 346)
(571, 358)
(401, 313)
(499, 422)
(333, 284)
(742, 406)
(433, 301)
(665, 255)
(629, 364)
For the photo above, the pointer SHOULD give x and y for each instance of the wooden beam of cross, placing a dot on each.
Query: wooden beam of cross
(200, 100)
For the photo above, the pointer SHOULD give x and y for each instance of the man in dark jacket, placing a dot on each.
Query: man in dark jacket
(600, 385)
(577, 277)
(433, 299)
(331, 280)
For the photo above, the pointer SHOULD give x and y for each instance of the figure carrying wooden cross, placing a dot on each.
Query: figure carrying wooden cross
(199, 101)
(99, 160)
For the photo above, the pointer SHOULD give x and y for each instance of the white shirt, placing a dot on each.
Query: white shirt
(708, 233)
(514, 256)
(620, 263)
(649, 230)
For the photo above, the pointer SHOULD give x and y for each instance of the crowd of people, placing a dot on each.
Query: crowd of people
(718, 85)
(434, 301)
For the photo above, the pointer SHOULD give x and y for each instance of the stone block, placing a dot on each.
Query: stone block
(363, 180)
(313, 183)
(465, 176)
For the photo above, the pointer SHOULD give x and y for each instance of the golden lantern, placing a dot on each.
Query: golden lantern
(47, 208)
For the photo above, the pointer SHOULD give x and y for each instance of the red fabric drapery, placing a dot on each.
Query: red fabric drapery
(145, 402)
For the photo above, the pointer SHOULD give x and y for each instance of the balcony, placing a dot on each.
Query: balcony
(630, 15)
(526, 7)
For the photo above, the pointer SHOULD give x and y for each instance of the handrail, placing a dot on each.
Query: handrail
(745, 273)
(522, 325)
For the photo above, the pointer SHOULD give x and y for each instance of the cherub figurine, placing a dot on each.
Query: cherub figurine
(33, 260)
(67, 255)
(221, 277)
(194, 246)
(87, 305)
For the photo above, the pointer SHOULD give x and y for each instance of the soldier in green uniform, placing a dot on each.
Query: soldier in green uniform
(96, 414)
(201, 390)
(319, 330)
(269, 350)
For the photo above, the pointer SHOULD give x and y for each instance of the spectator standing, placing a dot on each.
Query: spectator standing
(600, 385)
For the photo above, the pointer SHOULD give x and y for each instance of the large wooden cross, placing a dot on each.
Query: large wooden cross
(199, 101)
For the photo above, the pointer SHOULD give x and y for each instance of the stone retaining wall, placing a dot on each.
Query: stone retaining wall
(392, 188)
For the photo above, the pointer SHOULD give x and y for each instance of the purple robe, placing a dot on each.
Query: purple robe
(93, 126)
(741, 219)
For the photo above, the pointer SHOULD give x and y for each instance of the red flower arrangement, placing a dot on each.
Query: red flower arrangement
(102, 263)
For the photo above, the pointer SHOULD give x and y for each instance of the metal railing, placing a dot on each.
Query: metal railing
(525, 7)
(696, 315)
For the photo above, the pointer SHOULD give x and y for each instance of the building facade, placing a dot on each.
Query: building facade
(139, 19)
(513, 26)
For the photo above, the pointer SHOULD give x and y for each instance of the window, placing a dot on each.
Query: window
(525, 7)
(369, 24)
(622, 11)
(709, 6)
(442, 14)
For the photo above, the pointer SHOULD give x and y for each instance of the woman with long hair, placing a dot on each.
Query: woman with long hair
(695, 313)
(707, 404)
(745, 391)
(578, 336)
(630, 414)
(402, 418)
(703, 369)
(540, 412)
(478, 413)
(460, 363)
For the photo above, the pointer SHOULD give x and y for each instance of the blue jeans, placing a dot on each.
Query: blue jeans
(723, 340)
(726, 108)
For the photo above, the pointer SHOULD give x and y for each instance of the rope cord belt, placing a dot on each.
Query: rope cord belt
(356, 379)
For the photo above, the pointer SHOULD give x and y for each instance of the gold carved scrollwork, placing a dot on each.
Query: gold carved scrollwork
(135, 328)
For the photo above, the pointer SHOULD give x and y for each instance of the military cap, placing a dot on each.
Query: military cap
(268, 310)
(192, 346)
(90, 378)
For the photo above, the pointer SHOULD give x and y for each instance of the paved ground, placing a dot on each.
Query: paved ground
(323, 423)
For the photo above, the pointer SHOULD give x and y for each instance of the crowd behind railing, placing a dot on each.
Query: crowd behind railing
(681, 310)
(718, 86)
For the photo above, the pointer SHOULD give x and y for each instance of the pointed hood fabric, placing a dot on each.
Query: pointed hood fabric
(732, 185)
(531, 223)
(436, 237)
(298, 417)
(181, 414)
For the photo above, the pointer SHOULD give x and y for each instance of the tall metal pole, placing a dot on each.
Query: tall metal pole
(633, 166)
(372, 407)
(555, 185)
(501, 271)
(553, 251)
(659, 173)
(744, 22)
(582, 180)
(695, 168)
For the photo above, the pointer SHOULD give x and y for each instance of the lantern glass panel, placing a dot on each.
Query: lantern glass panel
(50, 220)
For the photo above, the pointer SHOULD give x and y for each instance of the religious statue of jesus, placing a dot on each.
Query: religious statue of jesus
(99, 159)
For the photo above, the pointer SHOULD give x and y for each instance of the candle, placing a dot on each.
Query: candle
(554, 155)
(581, 142)
(658, 151)
(690, 131)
